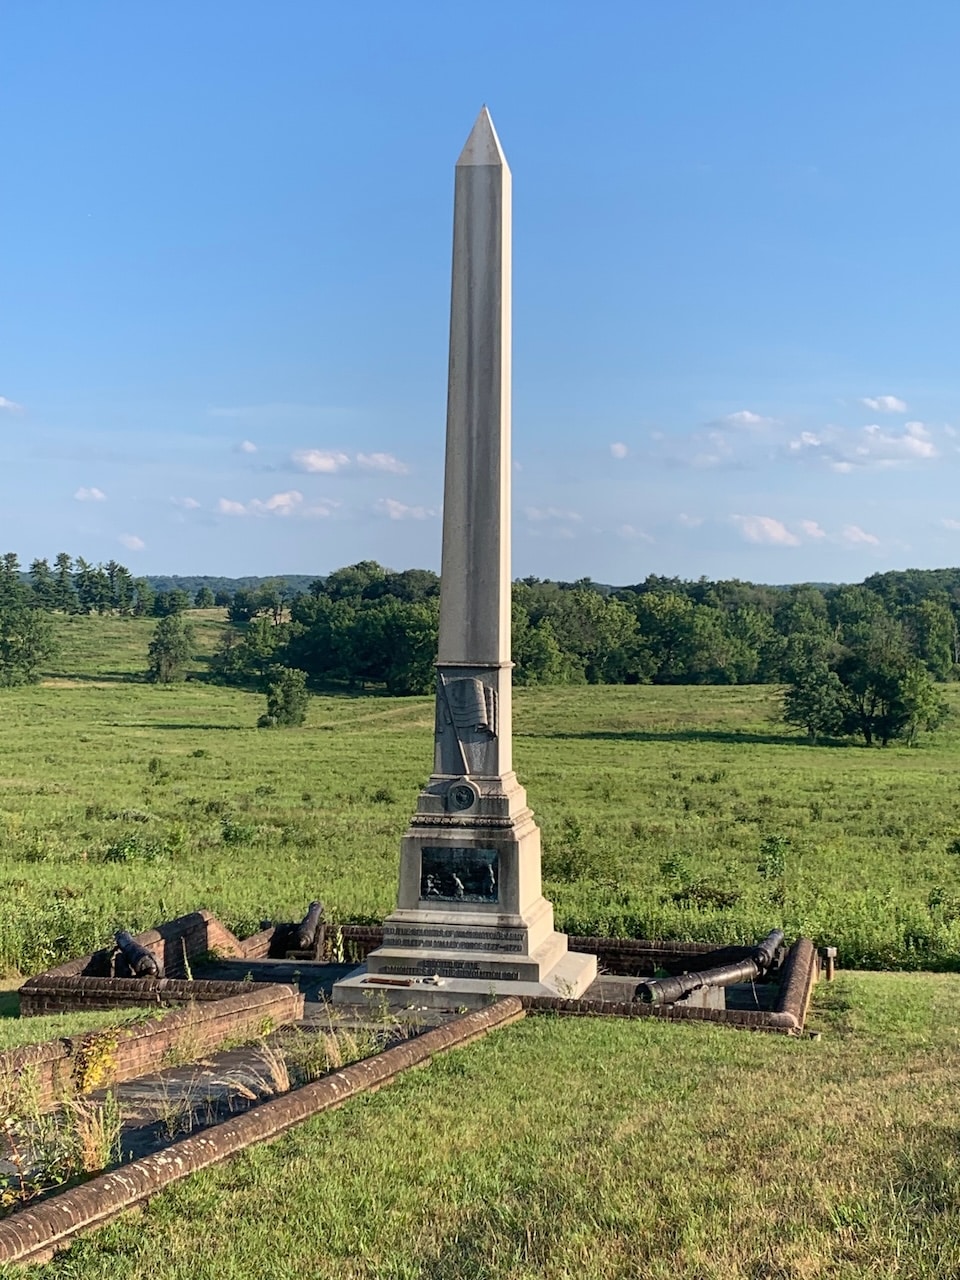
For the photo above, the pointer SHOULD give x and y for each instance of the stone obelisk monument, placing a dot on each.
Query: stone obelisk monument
(471, 918)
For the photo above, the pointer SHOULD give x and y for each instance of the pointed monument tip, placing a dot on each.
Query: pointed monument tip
(483, 145)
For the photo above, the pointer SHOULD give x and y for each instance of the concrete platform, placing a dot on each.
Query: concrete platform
(573, 975)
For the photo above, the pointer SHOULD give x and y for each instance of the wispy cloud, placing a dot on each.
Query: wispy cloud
(322, 461)
(871, 446)
(10, 406)
(746, 418)
(290, 503)
(551, 513)
(948, 523)
(400, 511)
(132, 542)
(812, 529)
(279, 504)
(854, 536)
(188, 504)
(90, 495)
(884, 404)
(382, 462)
(618, 449)
(245, 446)
(765, 529)
(631, 533)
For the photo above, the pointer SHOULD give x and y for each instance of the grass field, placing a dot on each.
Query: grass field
(666, 812)
(569, 1149)
(564, 1149)
(16, 1031)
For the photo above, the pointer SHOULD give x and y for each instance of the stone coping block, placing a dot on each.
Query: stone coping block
(112, 1055)
(35, 1234)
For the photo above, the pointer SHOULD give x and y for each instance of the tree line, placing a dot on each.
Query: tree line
(856, 659)
(860, 659)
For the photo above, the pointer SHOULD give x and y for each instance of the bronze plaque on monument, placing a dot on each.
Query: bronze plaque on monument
(459, 875)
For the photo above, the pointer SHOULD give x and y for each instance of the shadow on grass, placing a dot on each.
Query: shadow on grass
(926, 1167)
(98, 677)
(685, 735)
(186, 724)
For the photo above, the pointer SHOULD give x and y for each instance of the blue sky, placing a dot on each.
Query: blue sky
(224, 279)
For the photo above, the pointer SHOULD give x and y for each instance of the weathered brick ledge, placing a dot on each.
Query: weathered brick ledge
(35, 1234)
(797, 979)
(213, 1012)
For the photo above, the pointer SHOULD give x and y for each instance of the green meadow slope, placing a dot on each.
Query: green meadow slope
(666, 811)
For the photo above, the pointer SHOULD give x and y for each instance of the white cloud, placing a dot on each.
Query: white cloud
(806, 440)
(880, 446)
(884, 404)
(767, 530)
(289, 503)
(953, 525)
(400, 511)
(11, 406)
(132, 542)
(812, 529)
(551, 513)
(188, 504)
(618, 449)
(382, 462)
(854, 536)
(246, 446)
(872, 446)
(325, 461)
(279, 504)
(689, 522)
(90, 495)
(630, 532)
(746, 418)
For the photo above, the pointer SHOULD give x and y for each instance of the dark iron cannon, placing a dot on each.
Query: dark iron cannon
(668, 990)
(305, 934)
(141, 962)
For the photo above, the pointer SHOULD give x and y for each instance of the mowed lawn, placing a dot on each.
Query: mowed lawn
(672, 812)
(595, 1150)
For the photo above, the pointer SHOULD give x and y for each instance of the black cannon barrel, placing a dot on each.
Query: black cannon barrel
(142, 963)
(306, 931)
(669, 990)
(765, 952)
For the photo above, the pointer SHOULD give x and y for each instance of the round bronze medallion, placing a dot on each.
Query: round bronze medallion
(460, 796)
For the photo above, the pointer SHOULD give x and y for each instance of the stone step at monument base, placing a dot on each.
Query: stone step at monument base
(429, 961)
(569, 978)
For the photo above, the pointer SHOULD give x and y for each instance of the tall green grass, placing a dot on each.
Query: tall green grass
(666, 812)
(588, 1149)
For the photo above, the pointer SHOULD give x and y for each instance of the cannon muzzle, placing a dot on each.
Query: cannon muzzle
(306, 932)
(141, 962)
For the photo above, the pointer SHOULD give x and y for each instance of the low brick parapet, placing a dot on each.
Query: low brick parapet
(111, 1055)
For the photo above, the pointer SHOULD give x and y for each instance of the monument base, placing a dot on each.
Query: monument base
(569, 979)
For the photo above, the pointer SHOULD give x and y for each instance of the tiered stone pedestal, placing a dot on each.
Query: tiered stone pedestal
(471, 921)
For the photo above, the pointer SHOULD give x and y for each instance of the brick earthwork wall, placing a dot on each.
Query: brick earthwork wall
(226, 1010)
(177, 945)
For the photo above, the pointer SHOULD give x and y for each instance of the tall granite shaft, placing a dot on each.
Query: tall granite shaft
(474, 642)
(471, 916)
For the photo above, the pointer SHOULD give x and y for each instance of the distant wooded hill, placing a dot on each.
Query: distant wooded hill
(192, 583)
